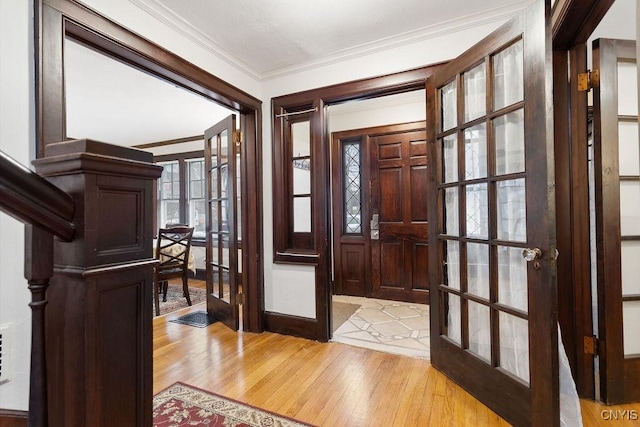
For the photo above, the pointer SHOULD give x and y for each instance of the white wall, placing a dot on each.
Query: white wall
(17, 119)
(386, 110)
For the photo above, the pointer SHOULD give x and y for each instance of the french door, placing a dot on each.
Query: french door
(492, 226)
(617, 195)
(221, 165)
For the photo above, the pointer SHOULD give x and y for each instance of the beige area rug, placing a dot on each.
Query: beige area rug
(342, 311)
(176, 301)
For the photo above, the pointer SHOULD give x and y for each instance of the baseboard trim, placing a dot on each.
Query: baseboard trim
(13, 418)
(286, 324)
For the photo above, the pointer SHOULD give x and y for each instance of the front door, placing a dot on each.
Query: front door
(380, 219)
(221, 217)
(617, 209)
(398, 226)
(492, 221)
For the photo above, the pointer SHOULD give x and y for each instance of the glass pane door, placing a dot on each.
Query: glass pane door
(222, 233)
(492, 281)
(617, 217)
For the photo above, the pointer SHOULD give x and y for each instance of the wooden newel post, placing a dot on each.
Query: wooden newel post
(99, 312)
(38, 269)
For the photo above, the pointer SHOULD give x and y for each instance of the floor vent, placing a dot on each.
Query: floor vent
(5, 353)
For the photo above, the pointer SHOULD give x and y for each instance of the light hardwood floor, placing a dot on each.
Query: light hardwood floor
(326, 384)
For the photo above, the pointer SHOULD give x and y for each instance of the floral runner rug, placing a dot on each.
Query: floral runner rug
(184, 405)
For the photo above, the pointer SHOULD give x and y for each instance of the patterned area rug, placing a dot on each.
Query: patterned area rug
(176, 301)
(183, 405)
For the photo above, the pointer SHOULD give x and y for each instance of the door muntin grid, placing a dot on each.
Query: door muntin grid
(482, 186)
(220, 218)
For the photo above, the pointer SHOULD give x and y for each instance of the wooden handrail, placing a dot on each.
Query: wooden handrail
(31, 199)
(46, 211)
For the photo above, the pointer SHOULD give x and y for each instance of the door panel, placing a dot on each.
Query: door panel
(221, 217)
(617, 172)
(491, 193)
(353, 270)
(399, 199)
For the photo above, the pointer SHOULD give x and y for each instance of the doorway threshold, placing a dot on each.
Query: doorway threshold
(388, 326)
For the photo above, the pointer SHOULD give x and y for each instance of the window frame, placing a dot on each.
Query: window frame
(183, 160)
(291, 246)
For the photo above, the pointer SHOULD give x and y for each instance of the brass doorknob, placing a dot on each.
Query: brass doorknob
(531, 254)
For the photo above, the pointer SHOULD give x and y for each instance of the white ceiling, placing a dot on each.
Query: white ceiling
(269, 38)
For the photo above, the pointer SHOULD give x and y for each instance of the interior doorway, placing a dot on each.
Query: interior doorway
(115, 42)
(379, 224)
(378, 162)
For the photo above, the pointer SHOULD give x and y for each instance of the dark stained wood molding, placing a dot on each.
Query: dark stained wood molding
(371, 87)
(252, 223)
(291, 325)
(13, 418)
(573, 21)
(178, 156)
(56, 19)
(94, 29)
(169, 142)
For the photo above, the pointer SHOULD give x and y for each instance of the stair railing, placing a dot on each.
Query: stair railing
(47, 211)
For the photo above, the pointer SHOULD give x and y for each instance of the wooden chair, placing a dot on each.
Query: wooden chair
(175, 224)
(172, 250)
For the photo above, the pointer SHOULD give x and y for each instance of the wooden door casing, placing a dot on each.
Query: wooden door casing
(353, 264)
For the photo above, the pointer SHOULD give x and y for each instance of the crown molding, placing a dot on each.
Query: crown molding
(175, 22)
(169, 18)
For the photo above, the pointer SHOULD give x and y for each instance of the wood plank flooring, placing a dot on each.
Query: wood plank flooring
(326, 384)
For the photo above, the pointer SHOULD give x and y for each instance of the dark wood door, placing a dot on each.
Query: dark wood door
(492, 221)
(394, 266)
(221, 216)
(617, 199)
(398, 216)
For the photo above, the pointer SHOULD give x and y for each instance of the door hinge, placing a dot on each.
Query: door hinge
(588, 80)
(591, 345)
(239, 299)
(237, 137)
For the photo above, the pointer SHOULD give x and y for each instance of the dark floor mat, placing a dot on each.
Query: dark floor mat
(199, 319)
